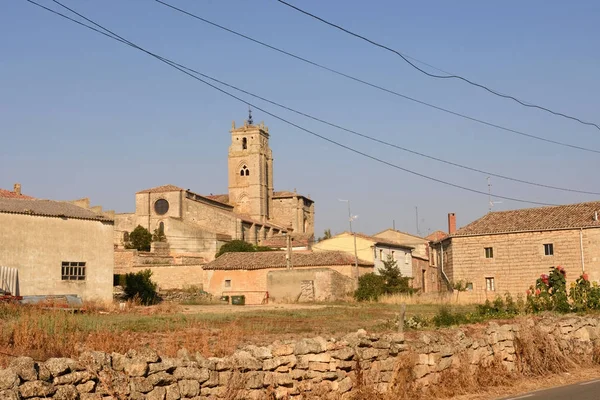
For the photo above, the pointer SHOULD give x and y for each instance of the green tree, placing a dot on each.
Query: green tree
(370, 287)
(235, 246)
(140, 239)
(326, 235)
(139, 285)
(394, 281)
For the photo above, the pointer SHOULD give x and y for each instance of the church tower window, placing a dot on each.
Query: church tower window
(244, 143)
(245, 171)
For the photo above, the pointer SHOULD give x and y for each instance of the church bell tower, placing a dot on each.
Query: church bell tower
(250, 167)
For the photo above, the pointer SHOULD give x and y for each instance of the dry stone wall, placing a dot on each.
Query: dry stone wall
(307, 368)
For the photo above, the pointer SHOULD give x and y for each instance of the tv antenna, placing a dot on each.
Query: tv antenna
(491, 202)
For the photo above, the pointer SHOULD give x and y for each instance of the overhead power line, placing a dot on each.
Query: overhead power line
(375, 86)
(376, 140)
(450, 76)
(118, 38)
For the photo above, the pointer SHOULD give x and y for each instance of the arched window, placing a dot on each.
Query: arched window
(126, 236)
(244, 143)
(161, 227)
(244, 171)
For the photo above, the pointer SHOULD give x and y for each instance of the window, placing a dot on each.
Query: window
(380, 254)
(489, 252)
(244, 171)
(406, 258)
(393, 253)
(73, 271)
(126, 236)
(489, 284)
(227, 282)
(469, 286)
(244, 143)
(161, 206)
(549, 249)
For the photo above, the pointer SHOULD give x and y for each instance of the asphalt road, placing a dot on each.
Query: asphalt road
(589, 390)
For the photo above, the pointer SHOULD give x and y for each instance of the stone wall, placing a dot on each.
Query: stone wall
(306, 368)
(308, 284)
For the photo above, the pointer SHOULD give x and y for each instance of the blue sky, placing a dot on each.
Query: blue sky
(84, 116)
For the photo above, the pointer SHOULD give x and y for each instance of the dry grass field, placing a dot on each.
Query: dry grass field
(212, 330)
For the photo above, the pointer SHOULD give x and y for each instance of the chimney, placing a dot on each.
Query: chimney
(17, 189)
(451, 223)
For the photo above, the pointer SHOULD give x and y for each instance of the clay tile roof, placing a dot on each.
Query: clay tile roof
(7, 194)
(162, 189)
(302, 240)
(284, 193)
(436, 236)
(379, 240)
(276, 259)
(221, 198)
(571, 216)
(48, 208)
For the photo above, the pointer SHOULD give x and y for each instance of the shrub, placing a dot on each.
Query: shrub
(236, 246)
(140, 239)
(370, 287)
(549, 293)
(584, 295)
(445, 317)
(139, 285)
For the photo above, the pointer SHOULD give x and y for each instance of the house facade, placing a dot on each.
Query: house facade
(505, 252)
(57, 248)
(268, 276)
(372, 249)
(425, 274)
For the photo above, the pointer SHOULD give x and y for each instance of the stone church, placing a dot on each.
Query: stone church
(251, 211)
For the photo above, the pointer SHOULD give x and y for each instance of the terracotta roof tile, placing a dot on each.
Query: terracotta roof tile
(285, 194)
(571, 216)
(162, 189)
(48, 208)
(281, 241)
(7, 194)
(276, 259)
(378, 240)
(221, 198)
(436, 236)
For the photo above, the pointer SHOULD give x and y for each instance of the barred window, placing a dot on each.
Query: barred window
(73, 271)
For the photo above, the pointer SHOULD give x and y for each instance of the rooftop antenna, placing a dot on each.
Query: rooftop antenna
(417, 217)
(250, 122)
(491, 202)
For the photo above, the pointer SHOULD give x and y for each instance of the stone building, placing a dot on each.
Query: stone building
(268, 276)
(58, 248)
(506, 251)
(250, 211)
(372, 249)
(425, 274)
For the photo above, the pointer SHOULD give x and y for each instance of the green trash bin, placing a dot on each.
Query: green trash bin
(225, 299)
(238, 300)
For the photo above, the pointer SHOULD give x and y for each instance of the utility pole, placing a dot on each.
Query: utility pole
(350, 218)
(288, 255)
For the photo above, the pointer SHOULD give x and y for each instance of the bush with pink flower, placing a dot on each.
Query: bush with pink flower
(549, 292)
